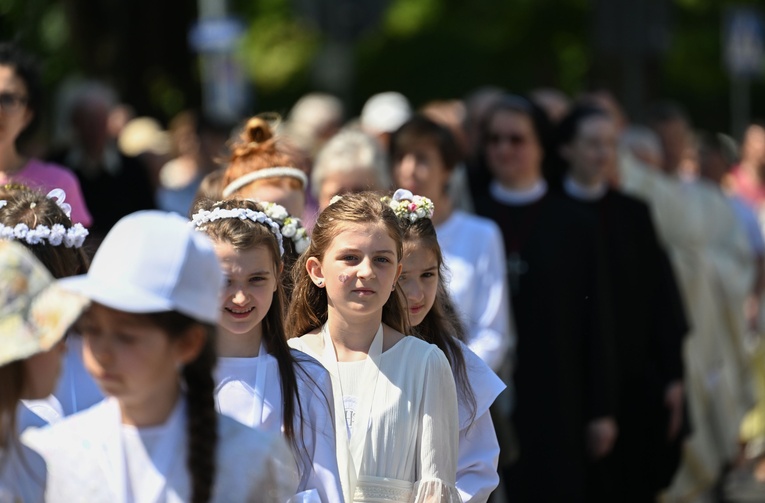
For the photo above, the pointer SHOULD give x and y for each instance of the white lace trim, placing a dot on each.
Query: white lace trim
(373, 489)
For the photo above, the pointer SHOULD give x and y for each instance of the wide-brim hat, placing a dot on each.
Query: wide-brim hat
(152, 262)
(35, 312)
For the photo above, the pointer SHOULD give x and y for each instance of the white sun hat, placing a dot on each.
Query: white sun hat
(35, 313)
(151, 262)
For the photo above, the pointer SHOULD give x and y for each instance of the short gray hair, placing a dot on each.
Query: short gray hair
(350, 150)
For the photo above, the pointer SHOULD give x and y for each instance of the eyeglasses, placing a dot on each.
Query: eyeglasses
(516, 140)
(10, 102)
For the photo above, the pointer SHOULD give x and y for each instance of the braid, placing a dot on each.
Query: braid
(202, 423)
(201, 415)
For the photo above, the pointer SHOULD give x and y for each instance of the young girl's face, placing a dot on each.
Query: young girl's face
(359, 269)
(419, 280)
(251, 280)
(129, 358)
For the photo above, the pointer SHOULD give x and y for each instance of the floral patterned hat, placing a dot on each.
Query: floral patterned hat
(35, 313)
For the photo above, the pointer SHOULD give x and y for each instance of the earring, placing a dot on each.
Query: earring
(320, 283)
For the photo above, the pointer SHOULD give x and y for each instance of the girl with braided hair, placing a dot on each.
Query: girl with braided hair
(149, 338)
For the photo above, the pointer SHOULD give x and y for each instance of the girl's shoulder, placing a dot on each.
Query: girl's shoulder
(311, 344)
(413, 348)
(309, 370)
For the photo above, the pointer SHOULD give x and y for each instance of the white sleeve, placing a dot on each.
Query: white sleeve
(490, 334)
(439, 434)
(477, 473)
(317, 440)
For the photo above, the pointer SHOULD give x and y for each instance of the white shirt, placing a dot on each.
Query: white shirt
(22, 474)
(87, 458)
(474, 255)
(237, 396)
(478, 454)
(582, 192)
(410, 447)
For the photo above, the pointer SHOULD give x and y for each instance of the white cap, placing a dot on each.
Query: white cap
(385, 112)
(152, 261)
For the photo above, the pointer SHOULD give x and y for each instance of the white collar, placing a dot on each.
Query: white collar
(583, 193)
(518, 197)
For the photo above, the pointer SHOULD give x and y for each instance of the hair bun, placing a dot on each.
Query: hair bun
(258, 130)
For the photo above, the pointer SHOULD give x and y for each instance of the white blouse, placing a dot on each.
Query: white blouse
(478, 455)
(474, 254)
(22, 474)
(91, 457)
(404, 441)
(249, 390)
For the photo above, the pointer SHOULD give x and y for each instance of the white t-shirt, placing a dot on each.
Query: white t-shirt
(237, 396)
(22, 474)
(477, 281)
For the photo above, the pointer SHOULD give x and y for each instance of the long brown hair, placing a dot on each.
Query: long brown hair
(11, 389)
(442, 325)
(259, 147)
(245, 235)
(201, 416)
(308, 309)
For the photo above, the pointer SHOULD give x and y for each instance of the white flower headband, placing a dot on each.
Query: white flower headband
(205, 216)
(278, 171)
(291, 227)
(56, 235)
(409, 207)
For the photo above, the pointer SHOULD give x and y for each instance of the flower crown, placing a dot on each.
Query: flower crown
(203, 217)
(291, 227)
(56, 235)
(409, 207)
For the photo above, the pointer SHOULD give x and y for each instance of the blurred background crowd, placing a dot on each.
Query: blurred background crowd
(139, 101)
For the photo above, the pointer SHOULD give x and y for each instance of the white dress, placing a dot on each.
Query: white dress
(92, 457)
(249, 390)
(22, 474)
(474, 254)
(403, 446)
(478, 455)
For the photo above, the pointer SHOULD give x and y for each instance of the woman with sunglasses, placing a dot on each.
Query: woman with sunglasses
(563, 364)
(20, 111)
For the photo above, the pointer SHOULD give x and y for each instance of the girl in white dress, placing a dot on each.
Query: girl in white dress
(62, 257)
(34, 317)
(435, 320)
(148, 342)
(258, 380)
(397, 439)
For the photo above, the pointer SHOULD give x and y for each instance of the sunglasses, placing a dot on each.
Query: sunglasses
(516, 140)
(10, 102)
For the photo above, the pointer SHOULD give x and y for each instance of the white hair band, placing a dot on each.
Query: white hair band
(279, 171)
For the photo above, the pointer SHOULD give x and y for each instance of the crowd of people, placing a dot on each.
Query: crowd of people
(507, 297)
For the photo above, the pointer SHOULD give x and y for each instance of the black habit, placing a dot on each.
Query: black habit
(563, 372)
(650, 325)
